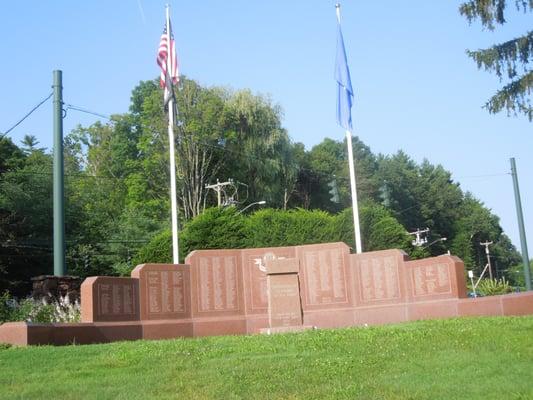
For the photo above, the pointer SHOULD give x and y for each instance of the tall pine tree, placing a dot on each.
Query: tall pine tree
(510, 59)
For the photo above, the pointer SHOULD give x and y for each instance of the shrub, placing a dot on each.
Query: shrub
(492, 287)
(215, 228)
(270, 228)
(379, 229)
(31, 310)
(225, 228)
(158, 250)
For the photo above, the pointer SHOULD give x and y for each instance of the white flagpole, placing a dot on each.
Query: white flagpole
(355, 207)
(171, 144)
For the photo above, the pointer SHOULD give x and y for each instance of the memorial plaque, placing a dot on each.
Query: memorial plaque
(105, 298)
(324, 275)
(284, 300)
(216, 277)
(378, 277)
(436, 278)
(164, 291)
(284, 304)
(255, 277)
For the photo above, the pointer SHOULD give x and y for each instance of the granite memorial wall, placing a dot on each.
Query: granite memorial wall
(218, 292)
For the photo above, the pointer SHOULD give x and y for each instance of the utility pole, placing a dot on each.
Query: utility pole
(58, 185)
(487, 252)
(219, 188)
(419, 240)
(520, 216)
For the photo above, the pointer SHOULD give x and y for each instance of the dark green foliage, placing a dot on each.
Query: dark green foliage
(505, 58)
(381, 231)
(219, 228)
(216, 228)
(271, 228)
(158, 250)
(494, 287)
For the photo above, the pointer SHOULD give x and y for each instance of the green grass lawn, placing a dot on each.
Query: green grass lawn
(478, 358)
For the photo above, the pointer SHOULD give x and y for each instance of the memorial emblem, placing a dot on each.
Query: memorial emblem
(261, 262)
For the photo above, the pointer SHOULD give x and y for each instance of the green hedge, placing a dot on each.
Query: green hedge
(225, 228)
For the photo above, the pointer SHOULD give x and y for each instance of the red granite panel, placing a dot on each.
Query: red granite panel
(216, 283)
(284, 304)
(220, 326)
(518, 303)
(255, 279)
(166, 329)
(379, 277)
(436, 278)
(106, 298)
(432, 310)
(15, 333)
(480, 306)
(329, 318)
(324, 276)
(255, 323)
(164, 291)
(380, 315)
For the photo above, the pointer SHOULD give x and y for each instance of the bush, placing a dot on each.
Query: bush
(158, 250)
(225, 228)
(272, 228)
(31, 310)
(379, 229)
(492, 287)
(215, 228)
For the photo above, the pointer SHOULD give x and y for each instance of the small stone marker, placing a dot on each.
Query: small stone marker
(283, 287)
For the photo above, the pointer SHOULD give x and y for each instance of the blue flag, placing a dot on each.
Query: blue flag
(344, 85)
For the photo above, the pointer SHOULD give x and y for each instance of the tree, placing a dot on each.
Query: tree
(29, 143)
(504, 58)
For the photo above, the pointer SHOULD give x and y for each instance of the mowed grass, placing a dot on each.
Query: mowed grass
(477, 358)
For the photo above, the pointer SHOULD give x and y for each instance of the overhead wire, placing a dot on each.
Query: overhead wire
(2, 135)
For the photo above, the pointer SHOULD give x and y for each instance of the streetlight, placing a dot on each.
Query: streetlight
(435, 241)
(253, 204)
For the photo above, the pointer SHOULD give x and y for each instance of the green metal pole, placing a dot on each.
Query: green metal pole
(59, 207)
(525, 256)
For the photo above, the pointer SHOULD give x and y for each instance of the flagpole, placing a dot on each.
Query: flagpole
(355, 207)
(351, 164)
(171, 145)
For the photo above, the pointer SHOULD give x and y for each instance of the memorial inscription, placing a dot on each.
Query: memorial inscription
(164, 290)
(217, 282)
(324, 273)
(379, 279)
(284, 304)
(436, 278)
(109, 299)
(431, 279)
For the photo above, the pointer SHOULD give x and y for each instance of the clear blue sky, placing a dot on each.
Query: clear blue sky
(416, 90)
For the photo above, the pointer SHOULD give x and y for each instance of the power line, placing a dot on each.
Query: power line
(83, 110)
(26, 116)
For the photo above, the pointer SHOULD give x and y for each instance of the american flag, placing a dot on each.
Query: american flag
(171, 76)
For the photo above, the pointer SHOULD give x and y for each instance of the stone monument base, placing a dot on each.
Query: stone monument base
(23, 333)
(285, 329)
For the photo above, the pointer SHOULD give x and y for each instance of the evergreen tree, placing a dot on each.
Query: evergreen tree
(505, 58)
